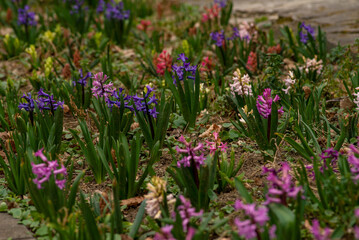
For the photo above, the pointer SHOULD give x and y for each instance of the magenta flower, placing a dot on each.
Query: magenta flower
(194, 154)
(264, 103)
(186, 211)
(281, 187)
(43, 171)
(329, 153)
(318, 233)
(354, 162)
(256, 218)
(100, 88)
(216, 145)
(165, 233)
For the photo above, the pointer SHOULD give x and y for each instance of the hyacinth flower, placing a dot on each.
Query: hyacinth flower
(165, 233)
(163, 62)
(252, 62)
(305, 31)
(46, 102)
(26, 19)
(241, 84)
(256, 217)
(100, 88)
(281, 186)
(186, 212)
(185, 70)
(83, 82)
(221, 3)
(264, 107)
(319, 233)
(45, 170)
(353, 160)
(193, 157)
(216, 145)
(328, 157)
(29, 106)
(143, 104)
(120, 99)
(289, 82)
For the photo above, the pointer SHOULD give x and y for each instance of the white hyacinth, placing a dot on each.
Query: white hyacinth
(312, 64)
(356, 99)
(289, 82)
(241, 85)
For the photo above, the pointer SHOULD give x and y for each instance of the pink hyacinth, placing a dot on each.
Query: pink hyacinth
(163, 62)
(43, 171)
(281, 187)
(165, 233)
(216, 145)
(318, 233)
(193, 153)
(354, 162)
(100, 88)
(256, 218)
(206, 65)
(264, 103)
(252, 62)
(186, 211)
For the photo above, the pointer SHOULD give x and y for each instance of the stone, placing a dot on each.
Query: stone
(9, 228)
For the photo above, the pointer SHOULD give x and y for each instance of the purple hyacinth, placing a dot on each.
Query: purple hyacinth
(83, 79)
(280, 187)
(194, 154)
(304, 36)
(143, 104)
(100, 89)
(101, 6)
(46, 101)
(25, 17)
(29, 105)
(327, 155)
(165, 233)
(318, 233)
(186, 69)
(264, 103)
(78, 7)
(186, 211)
(116, 11)
(43, 171)
(218, 37)
(256, 218)
(221, 3)
(120, 98)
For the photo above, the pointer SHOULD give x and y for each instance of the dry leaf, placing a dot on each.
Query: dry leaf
(213, 127)
(132, 202)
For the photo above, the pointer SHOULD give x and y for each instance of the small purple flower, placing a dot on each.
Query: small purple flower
(82, 81)
(43, 171)
(185, 69)
(144, 104)
(194, 154)
(101, 6)
(280, 187)
(264, 103)
(25, 17)
(354, 162)
(186, 211)
(218, 37)
(304, 36)
(318, 233)
(165, 233)
(47, 102)
(116, 11)
(257, 217)
(325, 156)
(221, 3)
(101, 89)
(77, 7)
(29, 106)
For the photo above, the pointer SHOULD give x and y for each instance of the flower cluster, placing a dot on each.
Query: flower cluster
(113, 10)
(46, 101)
(241, 84)
(25, 17)
(219, 38)
(289, 82)
(318, 233)
(120, 98)
(221, 3)
(328, 154)
(78, 6)
(142, 104)
(206, 64)
(252, 62)
(281, 187)
(194, 154)
(144, 25)
(356, 99)
(216, 145)
(165, 233)
(43, 171)
(304, 36)
(211, 13)
(264, 103)
(29, 105)
(186, 211)
(162, 62)
(185, 70)
(154, 198)
(312, 65)
(83, 79)
(252, 226)
(354, 162)
(100, 88)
